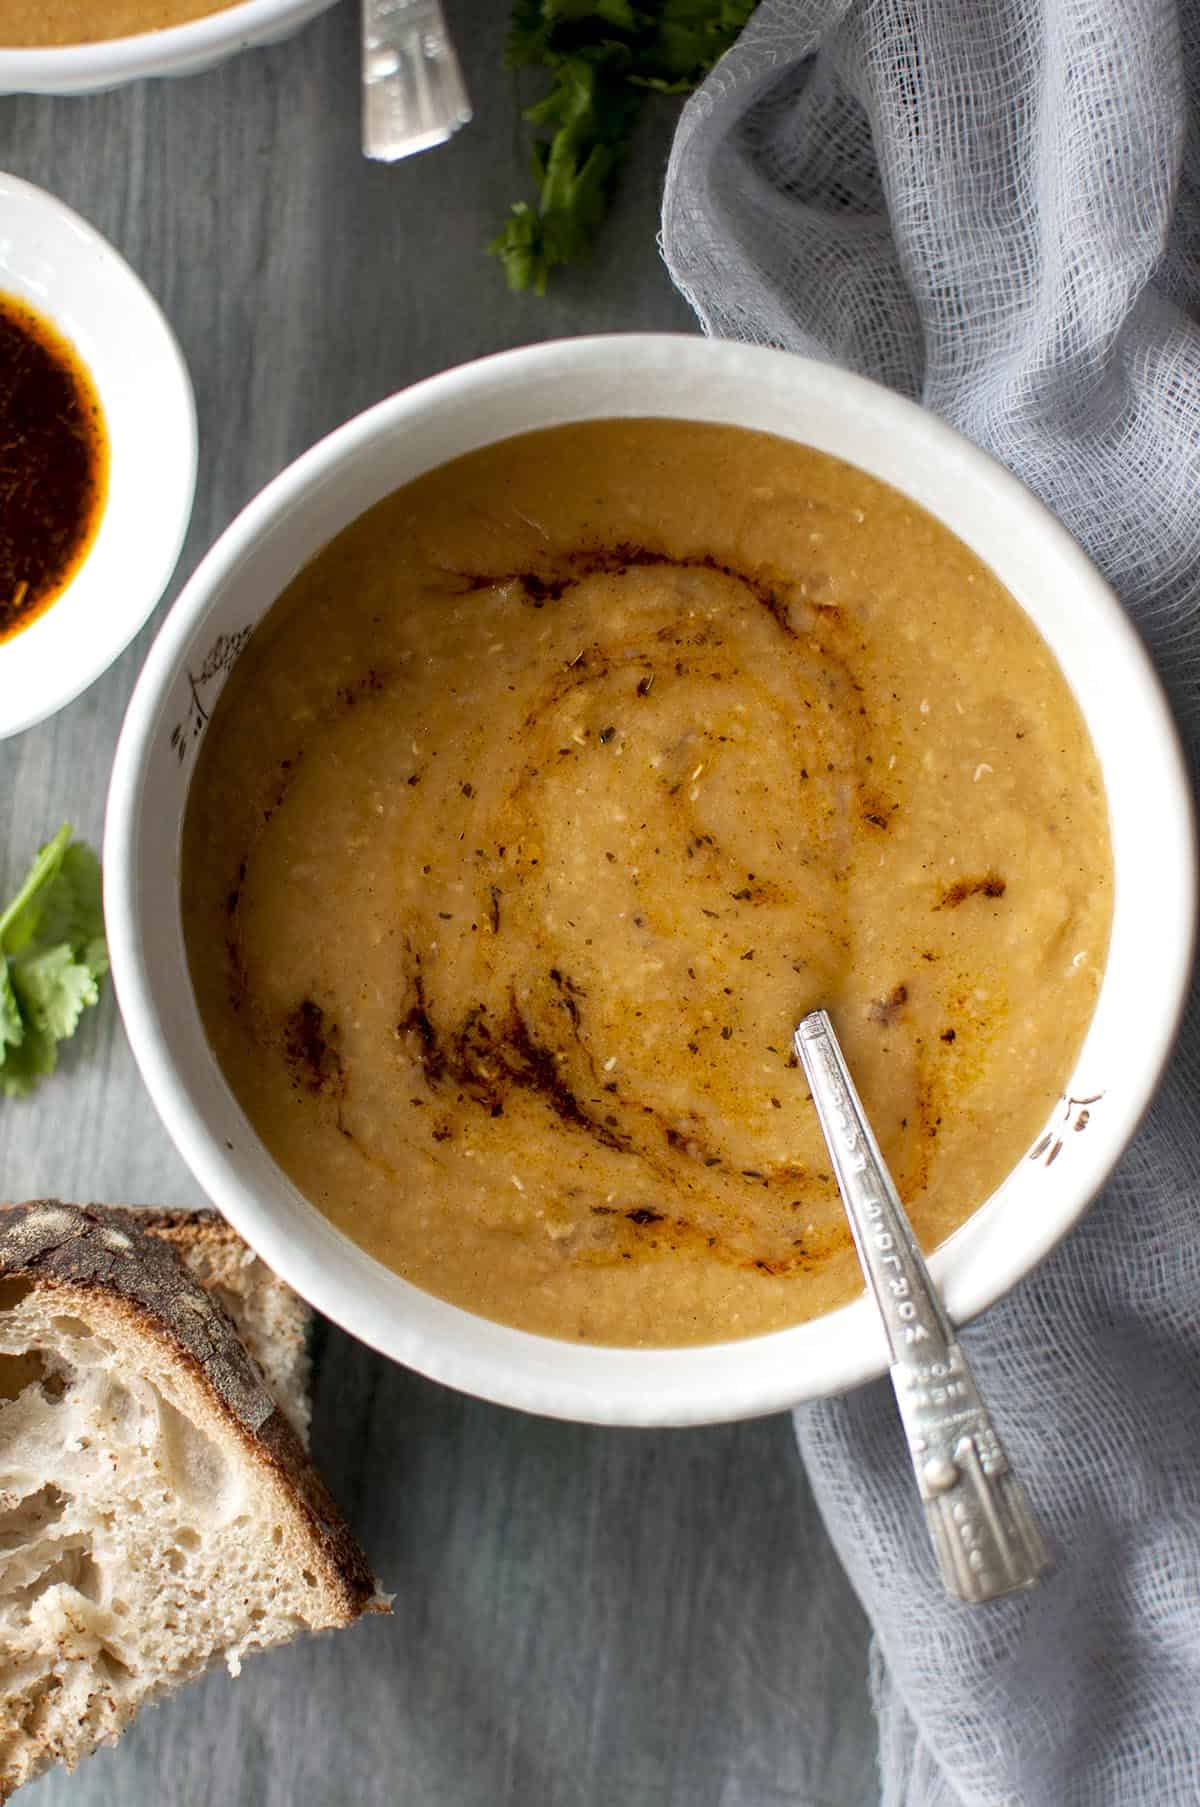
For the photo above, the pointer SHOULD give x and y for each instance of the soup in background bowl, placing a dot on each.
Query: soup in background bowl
(27, 24)
(85, 46)
(539, 1046)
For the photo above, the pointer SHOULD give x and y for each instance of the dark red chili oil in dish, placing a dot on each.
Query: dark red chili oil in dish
(53, 464)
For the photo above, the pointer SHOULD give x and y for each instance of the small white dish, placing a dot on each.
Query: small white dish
(1146, 974)
(179, 50)
(61, 267)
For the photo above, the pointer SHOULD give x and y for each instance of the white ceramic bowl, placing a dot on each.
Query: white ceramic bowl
(62, 267)
(180, 50)
(690, 379)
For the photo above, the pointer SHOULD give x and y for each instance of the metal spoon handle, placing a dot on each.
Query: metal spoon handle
(413, 91)
(983, 1532)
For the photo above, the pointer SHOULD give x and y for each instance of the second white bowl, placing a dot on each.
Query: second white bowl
(59, 265)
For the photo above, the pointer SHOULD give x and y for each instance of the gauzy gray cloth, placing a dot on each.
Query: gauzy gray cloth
(993, 206)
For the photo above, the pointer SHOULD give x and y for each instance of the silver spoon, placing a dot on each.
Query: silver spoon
(413, 95)
(983, 1532)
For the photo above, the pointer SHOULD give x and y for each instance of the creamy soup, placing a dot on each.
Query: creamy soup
(25, 24)
(552, 794)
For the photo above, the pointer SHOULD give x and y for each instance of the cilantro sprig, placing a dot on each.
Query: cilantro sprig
(603, 58)
(52, 957)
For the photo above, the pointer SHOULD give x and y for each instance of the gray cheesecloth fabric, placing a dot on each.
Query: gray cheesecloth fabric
(995, 207)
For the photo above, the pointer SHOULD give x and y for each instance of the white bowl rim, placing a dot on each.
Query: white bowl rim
(111, 61)
(79, 677)
(658, 1396)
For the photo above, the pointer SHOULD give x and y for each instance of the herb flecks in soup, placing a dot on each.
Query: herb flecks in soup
(54, 471)
(556, 790)
(30, 24)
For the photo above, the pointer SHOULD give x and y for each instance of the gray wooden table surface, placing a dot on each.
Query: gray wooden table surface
(584, 1618)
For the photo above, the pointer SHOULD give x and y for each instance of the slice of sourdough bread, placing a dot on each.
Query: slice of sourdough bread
(157, 1511)
(272, 1320)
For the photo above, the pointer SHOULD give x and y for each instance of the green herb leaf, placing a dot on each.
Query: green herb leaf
(53, 990)
(24, 1066)
(603, 57)
(12, 1029)
(20, 919)
(52, 957)
(72, 907)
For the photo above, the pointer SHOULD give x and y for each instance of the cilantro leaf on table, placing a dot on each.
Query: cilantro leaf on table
(32, 1059)
(53, 989)
(12, 1030)
(603, 56)
(52, 957)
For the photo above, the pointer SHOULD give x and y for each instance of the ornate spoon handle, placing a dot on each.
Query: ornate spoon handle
(983, 1532)
(413, 92)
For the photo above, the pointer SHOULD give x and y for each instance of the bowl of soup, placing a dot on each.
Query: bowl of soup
(82, 46)
(523, 764)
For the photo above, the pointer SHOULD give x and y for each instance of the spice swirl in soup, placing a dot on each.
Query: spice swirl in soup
(553, 793)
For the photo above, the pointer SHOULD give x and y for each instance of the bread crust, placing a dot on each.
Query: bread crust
(273, 1322)
(107, 1260)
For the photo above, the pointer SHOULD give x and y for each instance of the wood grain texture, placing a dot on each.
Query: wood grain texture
(585, 1618)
